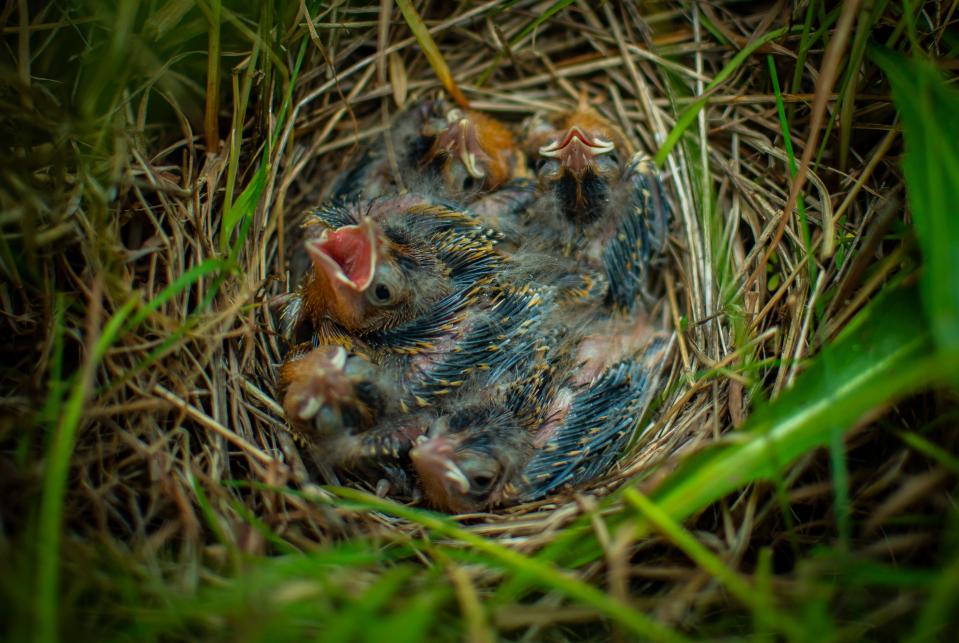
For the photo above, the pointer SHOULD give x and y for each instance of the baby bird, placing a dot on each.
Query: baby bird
(470, 459)
(389, 278)
(566, 427)
(578, 158)
(365, 278)
(439, 148)
(445, 322)
(470, 149)
(379, 263)
(599, 201)
(462, 469)
(596, 427)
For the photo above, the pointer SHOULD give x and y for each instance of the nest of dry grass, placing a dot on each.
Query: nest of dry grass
(180, 433)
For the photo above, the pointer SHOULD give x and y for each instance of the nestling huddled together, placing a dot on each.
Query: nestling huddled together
(472, 328)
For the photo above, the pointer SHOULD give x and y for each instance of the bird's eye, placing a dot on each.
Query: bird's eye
(549, 169)
(469, 183)
(382, 294)
(606, 163)
(388, 287)
(481, 482)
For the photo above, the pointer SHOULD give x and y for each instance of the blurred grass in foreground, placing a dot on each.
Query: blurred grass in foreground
(103, 79)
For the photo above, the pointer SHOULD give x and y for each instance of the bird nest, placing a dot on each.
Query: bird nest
(340, 109)
(172, 324)
(167, 412)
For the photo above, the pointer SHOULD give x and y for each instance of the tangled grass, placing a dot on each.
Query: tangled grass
(796, 479)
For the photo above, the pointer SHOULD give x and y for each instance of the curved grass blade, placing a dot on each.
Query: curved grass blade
(930, 132)
(748, 595)
(546, 575)
(689, 115)
(64, 439)
(882, 356)
(50, 524)
(174, 288)
(431, 51)
(245, 205)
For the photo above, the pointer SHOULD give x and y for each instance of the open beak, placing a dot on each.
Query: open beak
(576, 150)
(346, 256)
(468, 148)
(460, 139)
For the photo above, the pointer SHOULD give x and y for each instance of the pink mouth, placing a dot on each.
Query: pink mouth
(576, 149)
(346, 255)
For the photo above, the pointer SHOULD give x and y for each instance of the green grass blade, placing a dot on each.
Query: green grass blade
(792, 167)
(364, 609)
(865, 27)
(56, 385)
(241, 100)
(212, 518)
(50, 523)
(413, 622)
(805, 44)
(931, 450)
(930, 132)
(245, 205)
(547, 576)
(281, 545)
(431, 51)
(178, 285)
(708, 561)
(243, 209)
(552, 10)
(864, 572)
(688, 117)
(840, 482)
(413, 608)
(882, 356)
(171, 341)
(940, 609)
(764, 585)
